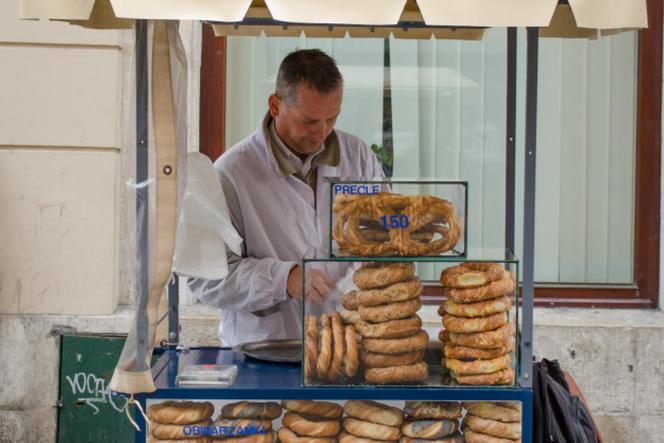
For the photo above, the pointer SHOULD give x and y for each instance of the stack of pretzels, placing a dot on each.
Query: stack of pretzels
(370, 422)
(477, 337)
(308, 421)
(248, 415)
(431, 422)
(427, 225)
(498, 422)
(330, 349)
(168, 420)
(393, 341)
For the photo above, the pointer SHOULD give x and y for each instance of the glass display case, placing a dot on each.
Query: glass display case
(391, 218)
(365, 321)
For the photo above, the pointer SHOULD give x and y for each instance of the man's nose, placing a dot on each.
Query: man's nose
(320, 129)
(325, 128)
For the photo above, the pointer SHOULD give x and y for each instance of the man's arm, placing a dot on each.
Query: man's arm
(252, 284)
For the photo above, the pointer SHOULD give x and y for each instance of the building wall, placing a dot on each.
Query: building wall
(60, 95)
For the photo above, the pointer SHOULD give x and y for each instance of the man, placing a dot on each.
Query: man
(275, 187)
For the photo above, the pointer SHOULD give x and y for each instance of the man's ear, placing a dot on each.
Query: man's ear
(274, 104)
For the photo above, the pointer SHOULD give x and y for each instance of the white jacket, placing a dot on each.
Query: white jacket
(281, 222)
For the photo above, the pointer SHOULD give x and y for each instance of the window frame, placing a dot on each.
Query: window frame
(644, 292)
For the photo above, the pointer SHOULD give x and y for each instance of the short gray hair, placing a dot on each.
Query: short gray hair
(311, 67)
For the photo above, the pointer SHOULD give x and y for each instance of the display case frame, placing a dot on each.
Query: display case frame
(269, 381)
(509, 261)
(344, 186)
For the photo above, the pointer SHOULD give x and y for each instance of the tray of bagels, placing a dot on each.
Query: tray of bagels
(377, 335)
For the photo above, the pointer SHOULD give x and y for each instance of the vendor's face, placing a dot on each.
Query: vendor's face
(305, 124)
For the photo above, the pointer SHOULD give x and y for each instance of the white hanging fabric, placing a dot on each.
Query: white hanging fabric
(204, 228)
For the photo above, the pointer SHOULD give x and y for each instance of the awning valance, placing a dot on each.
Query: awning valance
(368, 18)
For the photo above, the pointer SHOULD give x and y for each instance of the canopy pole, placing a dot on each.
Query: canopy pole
(529, 210)
(510, 139)
(142, 192)
(173, 312)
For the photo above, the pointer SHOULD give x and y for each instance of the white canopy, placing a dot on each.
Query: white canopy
(344, 15)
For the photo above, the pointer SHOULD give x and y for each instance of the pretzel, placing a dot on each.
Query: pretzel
(417, 372)
(491, 290)
(493, 411)
(397, 345)
(322, 409)
(491, 427)
(180, 412)
(477, 324)
(484, 340)
(471, 274)
(246, 409)
(473, 367)
(504, 377)
(375, 275)
(310, 346)
(310, 426)
(351, 359)
(479, 309)
(368, 429)
(375, 360)
(400, 291)
(434, 213)
(429, 429)
(374, 412)
(432, 409)
(346, 231)
(425, 214)
(477, 437)
(324, 347)
(287, 436)
(164, 431)
(402, 327)
(390, 311)
(338, 342)
(425, 235)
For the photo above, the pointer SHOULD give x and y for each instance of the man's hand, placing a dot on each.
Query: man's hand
(318, 284)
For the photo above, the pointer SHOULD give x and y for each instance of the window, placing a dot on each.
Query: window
(597, 214)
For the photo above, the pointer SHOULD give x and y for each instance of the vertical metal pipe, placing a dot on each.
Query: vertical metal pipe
(141, 188)
(173, 312)
(510, 139)
(388, 133)
(529, 210)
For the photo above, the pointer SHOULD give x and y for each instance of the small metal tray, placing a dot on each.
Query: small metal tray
(279, 351)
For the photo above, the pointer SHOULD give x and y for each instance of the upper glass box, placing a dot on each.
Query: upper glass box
(397, 218)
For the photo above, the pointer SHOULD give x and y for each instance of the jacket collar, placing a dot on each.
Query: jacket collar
(330, 155)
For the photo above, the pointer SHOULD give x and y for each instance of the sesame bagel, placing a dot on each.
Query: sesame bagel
(376, 275)
(414, 342)
(390, 311)
(374, 412)
(402, 327)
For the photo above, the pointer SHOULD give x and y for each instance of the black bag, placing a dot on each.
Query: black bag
(558, 416)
